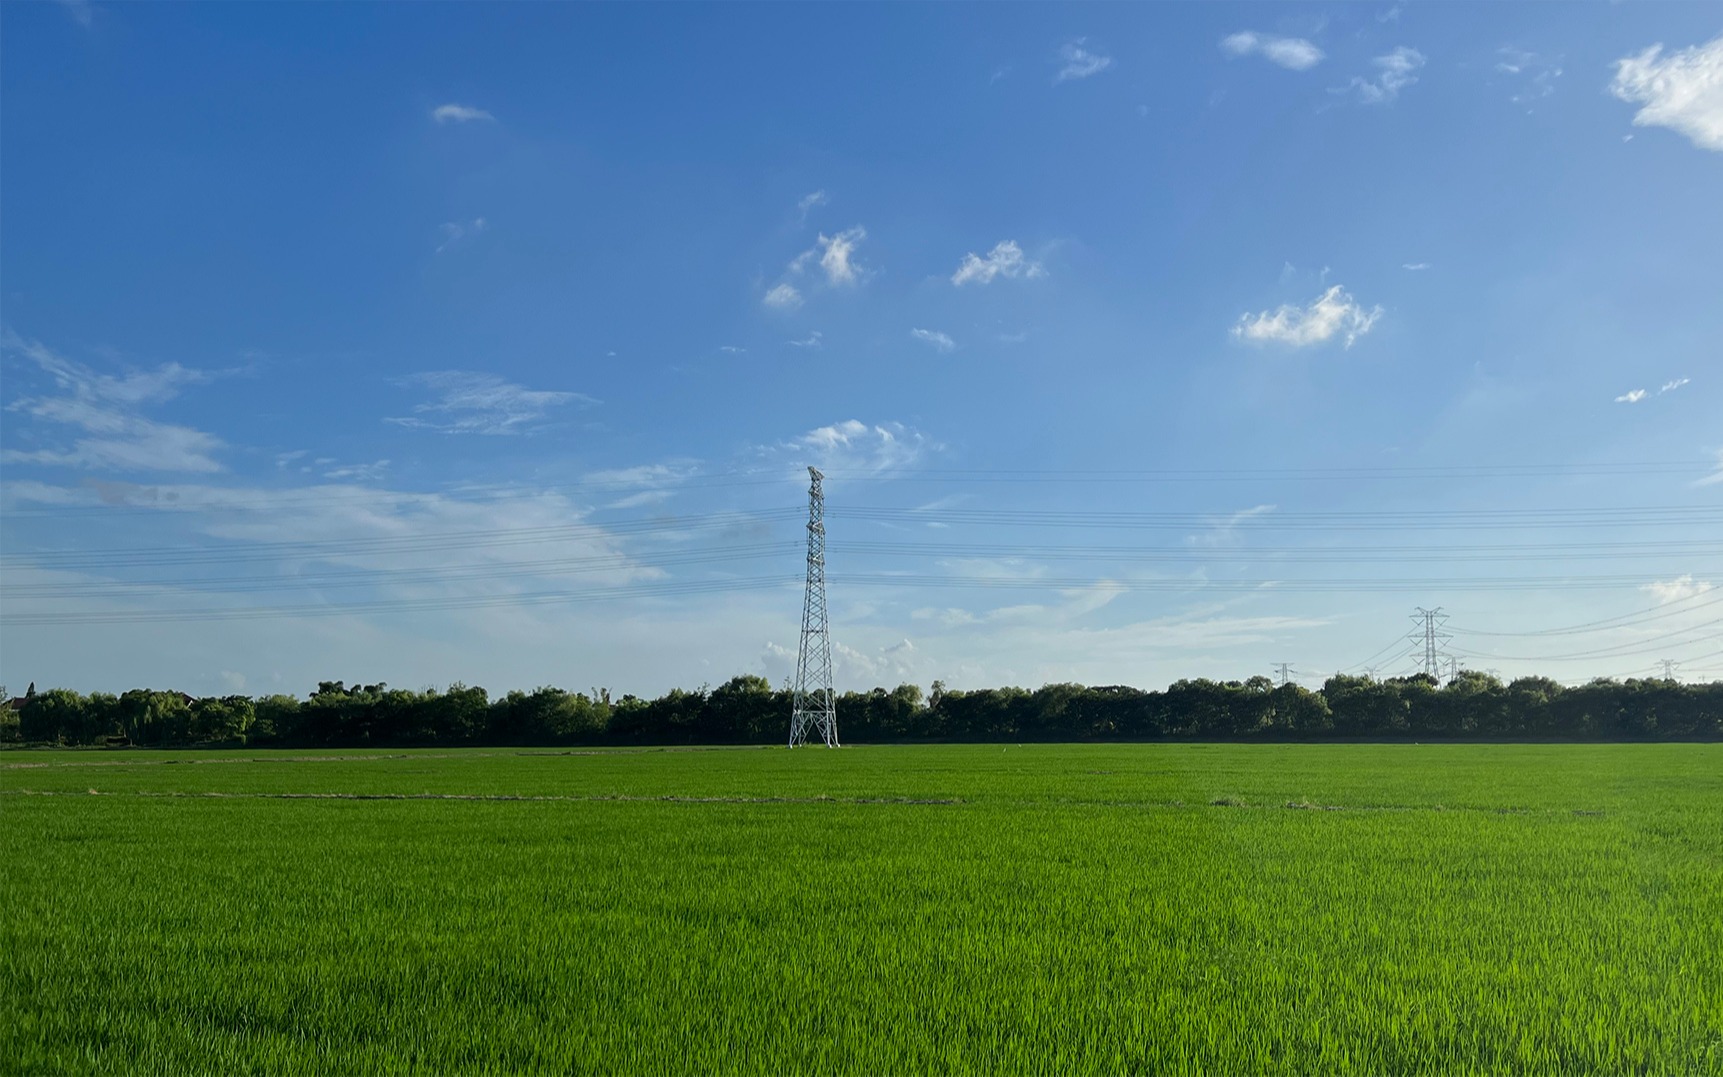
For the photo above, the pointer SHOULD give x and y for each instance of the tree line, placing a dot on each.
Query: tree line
(748, 710)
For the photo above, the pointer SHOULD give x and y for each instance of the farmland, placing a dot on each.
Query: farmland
(1102, 908)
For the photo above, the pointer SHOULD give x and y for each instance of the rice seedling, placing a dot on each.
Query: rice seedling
(1104, 908)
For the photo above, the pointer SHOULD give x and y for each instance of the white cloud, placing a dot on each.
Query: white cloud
(854, 446)
(835, 255)
(1682, 91)
(837, 252)
(812, 340)
(1006, 259)
(108, 409)
(1536, 74)
(809, 201)
(641, 499)
(1395, 71)
(731, 349)
(459, 114)
(477, 403)
(647, 476)
(1333, 313)
(1080, 63)
(653, 483)
(1667, 591)
(1224, 531)
(1636, 395)
(1416, 266)
(940, 341)
(783, 297)
(455, 231)
(1716, 476)
(1293, 53)
(358, 472)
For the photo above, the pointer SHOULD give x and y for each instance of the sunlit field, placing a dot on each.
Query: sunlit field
(1046, 908)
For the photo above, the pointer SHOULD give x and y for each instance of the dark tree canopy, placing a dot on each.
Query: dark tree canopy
(748, 710)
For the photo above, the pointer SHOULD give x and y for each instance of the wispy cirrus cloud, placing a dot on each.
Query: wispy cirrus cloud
(1716, 476)
(1534, 75)
(1292, 53)
(1223, 531)
(940, 341)
(1681, 90)
(1634, 396)
(1395, 71)
(812, 340)
(652, 483)
(808, 202)
(1334, 313)
(1077, 62)
(1416, 267)
(456, 231)
(784, 296)
(80, 11)
(1006, 259)
(469, 402)
(108, 411)
(372, 472)
(453, 113)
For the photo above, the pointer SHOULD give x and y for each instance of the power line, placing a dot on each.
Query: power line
(1617, 651)
(646, 589)
(526, 598)
(1657, 613)
(1648, 516)
(358, 576)
(241, 499)
(425, 542)
(1398, 643)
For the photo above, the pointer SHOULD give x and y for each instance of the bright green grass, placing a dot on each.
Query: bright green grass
(875, 910)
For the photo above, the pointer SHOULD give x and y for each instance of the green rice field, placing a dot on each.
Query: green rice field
(876, 910)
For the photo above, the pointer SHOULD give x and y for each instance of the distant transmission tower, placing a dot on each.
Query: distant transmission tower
(1285, 671)
(815, 712)
(1430, 637)
(1669, 668)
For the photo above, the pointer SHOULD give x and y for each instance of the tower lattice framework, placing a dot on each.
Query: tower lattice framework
(815, 711)
(1427, 639)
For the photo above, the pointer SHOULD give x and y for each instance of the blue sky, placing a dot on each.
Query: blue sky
(487, 343)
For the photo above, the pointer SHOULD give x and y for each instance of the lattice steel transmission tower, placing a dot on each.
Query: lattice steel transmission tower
(815, 713)
(1430, 637)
